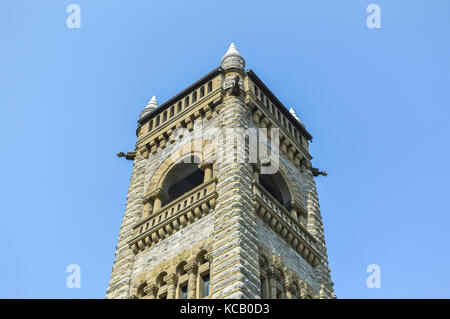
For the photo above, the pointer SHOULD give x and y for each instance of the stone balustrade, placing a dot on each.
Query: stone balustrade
(285, 224)
(289, 146)
(174, 216)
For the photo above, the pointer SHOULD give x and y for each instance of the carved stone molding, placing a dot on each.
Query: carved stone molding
(190, 267)
(151, 290)
(171, 279)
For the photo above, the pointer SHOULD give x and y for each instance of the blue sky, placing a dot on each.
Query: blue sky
(375, 100)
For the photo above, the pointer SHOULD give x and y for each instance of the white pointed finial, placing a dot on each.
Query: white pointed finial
(151, 105)
(296, 117)
(232, 59)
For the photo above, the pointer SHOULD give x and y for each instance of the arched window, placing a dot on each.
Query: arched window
(162, 286)
(204, 280)
(277, 187)
(181, 179)
(182, 281)
(140, 290)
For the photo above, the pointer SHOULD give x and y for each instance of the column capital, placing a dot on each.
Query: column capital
(298, 206)
(171, 279)
(205, 164)
(290, 287)
(151, 290)
(155, 193)
(190, 267)
(209, 257)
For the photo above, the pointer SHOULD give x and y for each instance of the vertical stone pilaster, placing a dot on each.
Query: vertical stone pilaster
(119, 283)
(235, 268)
(315, 227)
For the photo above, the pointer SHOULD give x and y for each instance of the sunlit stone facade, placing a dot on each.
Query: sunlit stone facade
(197, 225)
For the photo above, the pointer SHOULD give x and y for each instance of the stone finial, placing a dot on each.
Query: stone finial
(296, 117)
(232, 59)
(151, 105)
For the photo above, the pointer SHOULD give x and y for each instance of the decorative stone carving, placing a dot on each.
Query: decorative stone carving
(151, 291)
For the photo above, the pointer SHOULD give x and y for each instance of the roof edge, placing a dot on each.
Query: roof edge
(283, 108)
(181, 94)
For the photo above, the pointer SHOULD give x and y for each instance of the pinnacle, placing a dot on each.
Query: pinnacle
(151, 105)
(233, 58)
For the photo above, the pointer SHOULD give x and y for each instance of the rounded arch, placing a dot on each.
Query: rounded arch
(188, 153)
(160, 279)
(277, 186)
(284, 176)
(140, 290)
(179, 179)
(285, 173)
(201, 257)
(180, 268)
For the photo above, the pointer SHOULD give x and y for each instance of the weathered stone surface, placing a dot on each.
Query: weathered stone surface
(241, 245)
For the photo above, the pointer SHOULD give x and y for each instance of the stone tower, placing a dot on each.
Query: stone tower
(222, 201)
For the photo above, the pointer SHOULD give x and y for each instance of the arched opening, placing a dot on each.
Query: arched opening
(182, 281)
(140, 290)
(277, 187)
(204, 275)
(181, 179)
(162, 285)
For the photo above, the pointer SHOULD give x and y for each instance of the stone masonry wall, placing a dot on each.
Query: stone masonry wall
(123, 263)
(315, 227)
(143, 170)
(235, 268)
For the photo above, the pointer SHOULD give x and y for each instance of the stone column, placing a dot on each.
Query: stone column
(156, 196)
(172, 280)
(151, 291)
(207, 169)
(191, 269)
(294, 214)
(274, 277)
(146, 211)
(296, 211)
